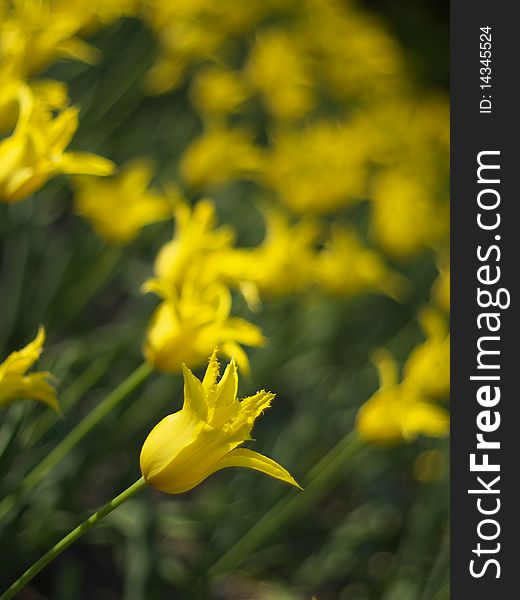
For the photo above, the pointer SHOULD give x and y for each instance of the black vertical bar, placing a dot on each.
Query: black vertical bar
(474, 131)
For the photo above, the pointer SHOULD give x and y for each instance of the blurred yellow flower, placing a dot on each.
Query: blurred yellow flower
(190, 31)
(441, 289)
(356, 56)
(410, 134)
(196, 240)
(278, 69)
(221, 154)
(428, 366)
(318, 169)
(405, 217)
(52, 94)
(346, 267)
(99, 13)
(120, 206)
(398, 412)
(36, 150)
(203, 437)
(35, 33)
(282, 263)
(183, 37)
(186, 327)
(16, 384)
(217, 92)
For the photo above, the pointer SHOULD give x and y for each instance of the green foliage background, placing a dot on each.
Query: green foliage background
(373, 532)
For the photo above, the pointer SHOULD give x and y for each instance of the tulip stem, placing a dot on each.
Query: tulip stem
(322, 479)
(68, 398)
(71, 537)
(87, 424)
(78, 433)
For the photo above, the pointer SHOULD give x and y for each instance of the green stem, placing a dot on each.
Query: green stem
(76, 390)
(87, 424)
(323, 478)
(78, 433)
(65, 542)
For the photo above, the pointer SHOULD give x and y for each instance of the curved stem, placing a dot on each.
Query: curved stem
(87, 424)
(323, 477)
(76, 390)
(65, 542)
(78, 433)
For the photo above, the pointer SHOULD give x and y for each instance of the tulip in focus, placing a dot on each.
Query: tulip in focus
(186, 447)
(16, 384)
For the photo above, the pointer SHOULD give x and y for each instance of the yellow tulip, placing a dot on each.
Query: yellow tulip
(406, 218)
(95, 14)
(190, 31)
(186, 328)
(220, 155)
(397, 412)
(217, 92)
(319, 169)
(279, 69)
(196, 240)
(120, 206)
(35, 33)
(36, 150)
(15, 383)
(204, 436)
(428, 366)
(280, 264)
(53, 94)
(356, 56)
(346, 267)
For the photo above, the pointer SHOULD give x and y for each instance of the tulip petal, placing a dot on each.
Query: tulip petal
(233, 350)
(225, 403)
(167, 440)
(228, 386)
(386, 368)
(62, 129)
(433, 324)
(85, 163)
(212, 372)
(243, 457)
(425, 418)
(78, 49)
(18, 362)
(194, 397)
(33, 386)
